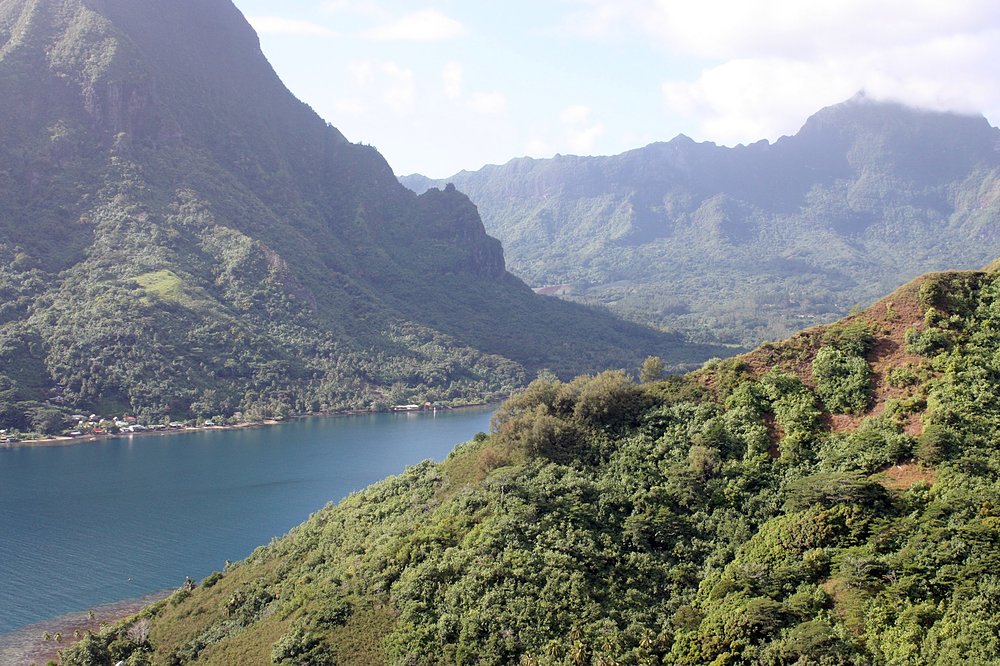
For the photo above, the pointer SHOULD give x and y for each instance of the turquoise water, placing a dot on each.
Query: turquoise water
(93, 523)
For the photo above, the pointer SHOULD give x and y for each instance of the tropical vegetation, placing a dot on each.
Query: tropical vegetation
(832, 499)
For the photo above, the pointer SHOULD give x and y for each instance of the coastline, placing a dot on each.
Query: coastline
(89, 439)
(27, 645)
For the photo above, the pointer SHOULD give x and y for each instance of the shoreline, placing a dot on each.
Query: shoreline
(27, 645)
(90, 439)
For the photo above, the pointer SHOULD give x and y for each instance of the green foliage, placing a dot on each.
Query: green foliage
(843, 380)
(651, 370)
(654, 523)
(901, 377)
(854, 338)
(300, 647)
(832, 489)
(179, 256)
(878, 442)
(928, 342)
(936, 443)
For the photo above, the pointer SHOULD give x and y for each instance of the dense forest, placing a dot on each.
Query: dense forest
(831, 499)
(752, 243)
(169, 250)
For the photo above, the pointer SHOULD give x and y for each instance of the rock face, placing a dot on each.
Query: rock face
(752, 242)
(179, 234)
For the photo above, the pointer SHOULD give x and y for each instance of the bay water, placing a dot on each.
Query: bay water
(97, 522)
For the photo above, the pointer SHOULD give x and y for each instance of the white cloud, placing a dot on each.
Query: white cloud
(278, 25)
(580, 134)
(745, 100)
(769, 63)
(582, 141)
(488, 102)
(451, 77)
(743, 28)
(426, 25)
(807, 30)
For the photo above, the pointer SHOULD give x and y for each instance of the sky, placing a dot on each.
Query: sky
(438, 86)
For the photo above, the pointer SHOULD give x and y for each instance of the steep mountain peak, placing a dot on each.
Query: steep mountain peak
(180, 235)
(920, 141)
(863, 110)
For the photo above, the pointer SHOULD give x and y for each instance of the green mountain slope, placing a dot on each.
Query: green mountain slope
(180, 235)
(832, 499)
(753, 242)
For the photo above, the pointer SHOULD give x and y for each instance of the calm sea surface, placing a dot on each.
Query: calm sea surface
(92, 523)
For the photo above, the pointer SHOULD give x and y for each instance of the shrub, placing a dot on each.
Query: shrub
(211, 579)
(935, 444)
(854, 338)
(651, 370)
(843, 381)
(610, 399)
(301, 647)
(927, 343)
(834, 488)
(901, 377)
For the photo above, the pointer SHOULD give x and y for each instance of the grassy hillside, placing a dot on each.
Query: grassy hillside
(171, 249)
(832, 499)
(752, 243)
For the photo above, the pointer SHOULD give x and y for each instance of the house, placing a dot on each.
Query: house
(554, 290)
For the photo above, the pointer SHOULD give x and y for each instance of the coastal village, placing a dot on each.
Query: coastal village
(95, 426)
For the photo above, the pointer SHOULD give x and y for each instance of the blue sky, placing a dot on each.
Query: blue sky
(441, 85)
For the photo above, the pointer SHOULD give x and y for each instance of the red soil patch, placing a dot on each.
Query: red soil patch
(902, 477)
(775, 434)
(889, 318)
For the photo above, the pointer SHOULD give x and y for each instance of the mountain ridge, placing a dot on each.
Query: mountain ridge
(181, 236)
(757, 240)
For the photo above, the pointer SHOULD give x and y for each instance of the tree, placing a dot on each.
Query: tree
(651, 370)
(48, 420)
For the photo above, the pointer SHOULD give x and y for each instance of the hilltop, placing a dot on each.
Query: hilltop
(752, 243)
(180, 236)
(829, 499)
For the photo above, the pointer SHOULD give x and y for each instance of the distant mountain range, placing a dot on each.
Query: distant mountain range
(180, 235)
(742, 244)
